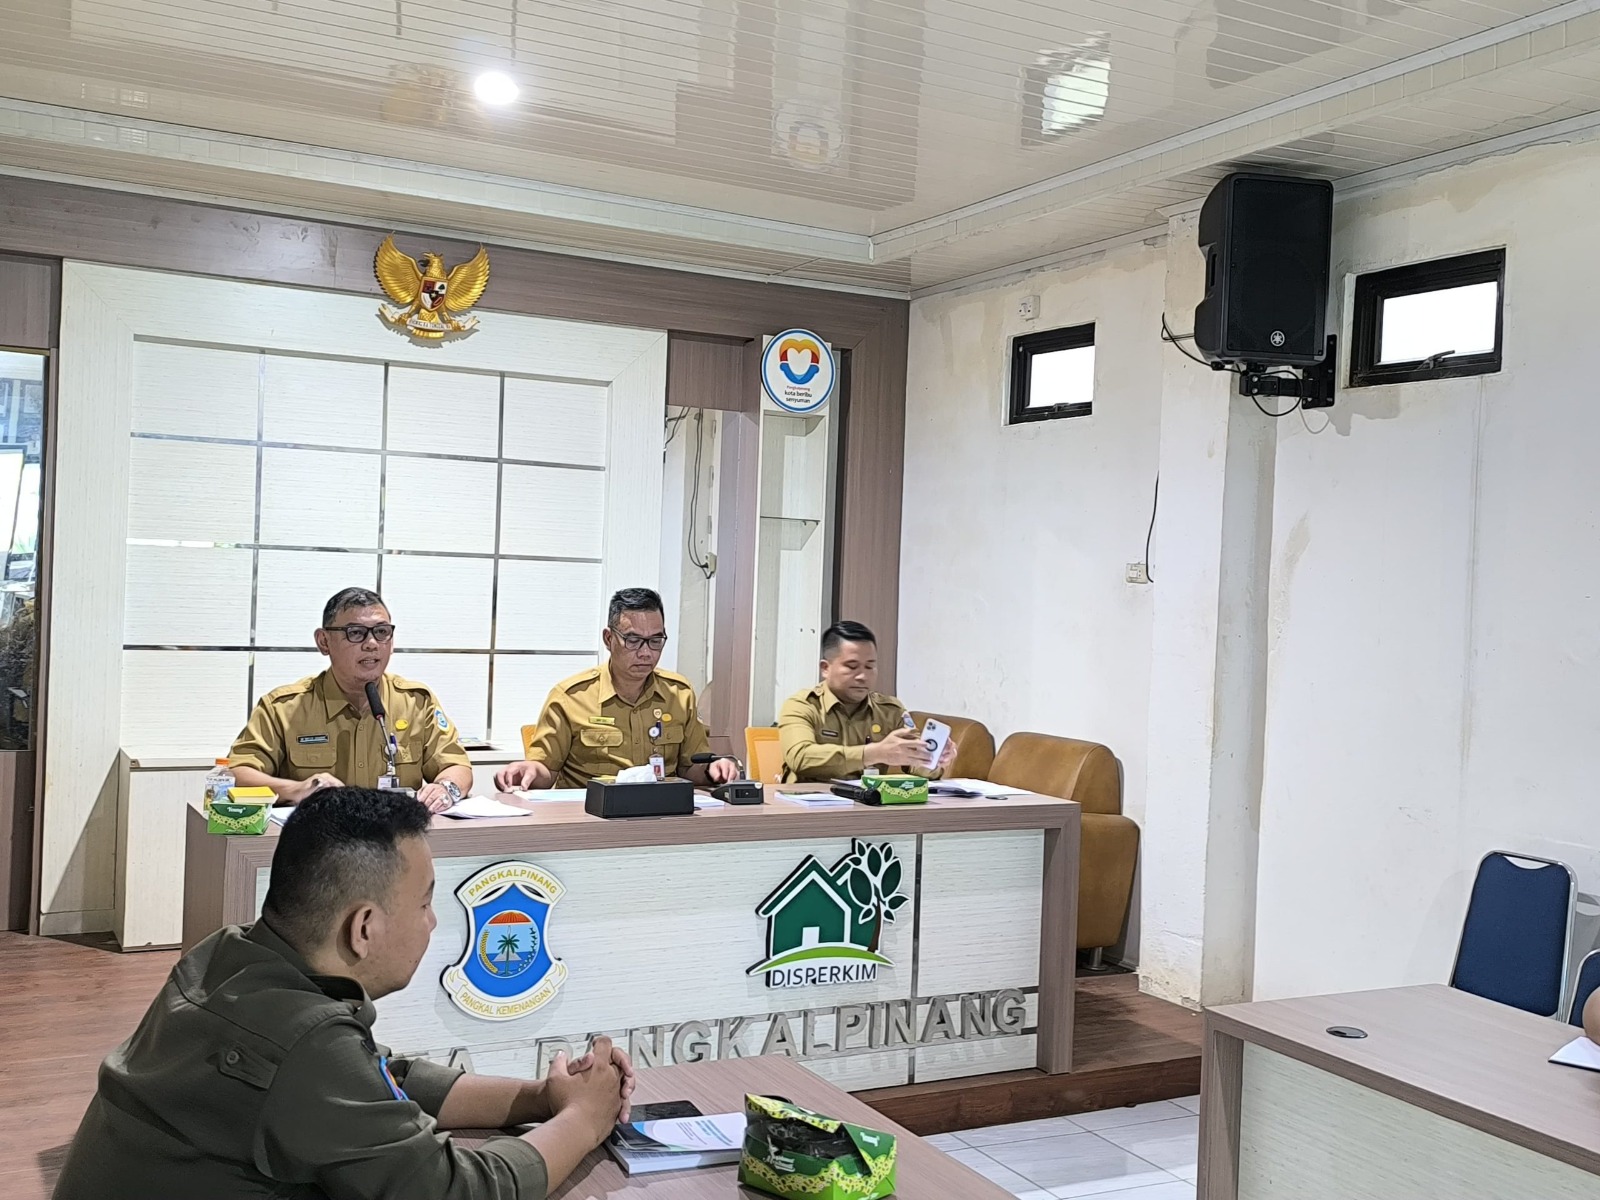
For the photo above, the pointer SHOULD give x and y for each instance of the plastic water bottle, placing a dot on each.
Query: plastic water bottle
(218, 780)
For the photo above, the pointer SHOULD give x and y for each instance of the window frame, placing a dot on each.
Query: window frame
(1373, 288)
(1023, 349)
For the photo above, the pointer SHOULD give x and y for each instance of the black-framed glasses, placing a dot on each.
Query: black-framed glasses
(634, 643)
(359, 633)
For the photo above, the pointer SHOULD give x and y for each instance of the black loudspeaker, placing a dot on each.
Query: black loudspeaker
(1267, 241)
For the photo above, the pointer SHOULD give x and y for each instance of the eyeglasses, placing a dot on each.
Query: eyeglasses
(635, 643)
(360, 633)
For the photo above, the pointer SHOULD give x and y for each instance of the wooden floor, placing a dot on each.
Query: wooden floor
(64, 1005)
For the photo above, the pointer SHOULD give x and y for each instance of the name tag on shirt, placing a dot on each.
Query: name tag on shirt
(314, 739)
(828, 733)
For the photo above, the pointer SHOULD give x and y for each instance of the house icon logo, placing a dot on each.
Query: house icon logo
(824, 925)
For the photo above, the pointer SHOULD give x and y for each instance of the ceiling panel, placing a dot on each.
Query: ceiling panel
(999, 132)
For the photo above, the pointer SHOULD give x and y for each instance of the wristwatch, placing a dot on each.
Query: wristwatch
(451, 790)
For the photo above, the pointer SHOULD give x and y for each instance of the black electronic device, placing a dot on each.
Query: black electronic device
(740, 791)
(854, 791)
(1267, 240)
(670, 798)
(737, 791)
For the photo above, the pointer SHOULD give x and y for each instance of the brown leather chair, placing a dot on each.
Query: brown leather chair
(1090, 774)
(974, 745)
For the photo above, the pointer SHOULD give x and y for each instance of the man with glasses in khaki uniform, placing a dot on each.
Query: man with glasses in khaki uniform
(625, 713)
(320, 732)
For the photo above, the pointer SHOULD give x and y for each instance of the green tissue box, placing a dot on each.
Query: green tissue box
(802, 1155)
(897, 789)
(244, 811)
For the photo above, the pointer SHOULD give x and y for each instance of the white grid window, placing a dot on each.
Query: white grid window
(261, 483)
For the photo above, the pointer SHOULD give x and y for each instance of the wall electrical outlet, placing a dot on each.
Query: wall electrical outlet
(1137, 573)
(1028, 307)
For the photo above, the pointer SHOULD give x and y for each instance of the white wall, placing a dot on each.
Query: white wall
(1435, 662)
(1432, 683)
(1014, 608)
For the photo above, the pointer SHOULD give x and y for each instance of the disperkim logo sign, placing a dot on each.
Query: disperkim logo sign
(824, 925)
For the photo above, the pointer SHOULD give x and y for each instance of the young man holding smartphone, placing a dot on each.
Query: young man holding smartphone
(843, 727)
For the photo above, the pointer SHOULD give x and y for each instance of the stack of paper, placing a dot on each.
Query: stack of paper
(479, 807)
(817, 799)
(972, 787)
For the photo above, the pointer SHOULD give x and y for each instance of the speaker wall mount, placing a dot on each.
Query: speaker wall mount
(1267, 239)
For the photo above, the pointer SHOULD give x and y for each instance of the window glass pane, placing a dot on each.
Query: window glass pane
(21, 432)
(1061, 377)
(1460, 320)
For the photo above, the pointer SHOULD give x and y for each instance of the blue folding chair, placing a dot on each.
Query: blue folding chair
(1588, 980)
(1517, 936)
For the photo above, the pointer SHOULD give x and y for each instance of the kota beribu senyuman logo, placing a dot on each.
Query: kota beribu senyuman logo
(798, 371)
(825, 924)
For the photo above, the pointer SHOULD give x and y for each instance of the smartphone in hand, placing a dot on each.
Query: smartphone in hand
(935, 737)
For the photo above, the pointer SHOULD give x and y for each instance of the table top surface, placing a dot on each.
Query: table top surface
(1468, 1059)
(564, 825)
(922, 1172)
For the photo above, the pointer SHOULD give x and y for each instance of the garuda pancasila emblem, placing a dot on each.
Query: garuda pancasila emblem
(431, 302)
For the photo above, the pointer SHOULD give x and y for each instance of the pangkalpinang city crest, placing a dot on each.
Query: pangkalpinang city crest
(507, 969)
(432, 301)
(824, 924)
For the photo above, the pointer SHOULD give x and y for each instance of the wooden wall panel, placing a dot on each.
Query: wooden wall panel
(709, 372)
(59, 220)
(867, 580)
(16, 837)
(30, 301)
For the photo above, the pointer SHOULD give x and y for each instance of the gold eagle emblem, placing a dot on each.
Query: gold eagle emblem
(431, 301)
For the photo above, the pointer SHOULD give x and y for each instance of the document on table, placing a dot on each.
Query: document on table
(979, 787)
(555, 794)
(280, 813)
(480, 807)
(1579, 1052)
(817, 799)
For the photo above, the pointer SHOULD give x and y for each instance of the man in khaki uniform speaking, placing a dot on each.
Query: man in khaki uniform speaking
(320, 732)
(625, 713)
(840, 727)
(254, 1072)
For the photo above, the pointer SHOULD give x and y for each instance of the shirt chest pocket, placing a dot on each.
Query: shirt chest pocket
(599, 741)
(310, 757)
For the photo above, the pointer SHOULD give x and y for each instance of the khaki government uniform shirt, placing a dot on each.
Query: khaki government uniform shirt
(250, 1076)
(302, 728)
(822, 737)
(586, 730)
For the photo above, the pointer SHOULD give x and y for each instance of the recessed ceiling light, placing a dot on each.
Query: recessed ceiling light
(496, 88)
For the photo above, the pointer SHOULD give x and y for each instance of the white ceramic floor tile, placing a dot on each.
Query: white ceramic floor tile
(1171, 1145)
(1036, 1195)
(1020, 1131)
(1176, 1190)
(1192, 1103)
(1115, 1118)
(946, 1141)
(1189, 1173)
(993, 1171)
(1076, 1164)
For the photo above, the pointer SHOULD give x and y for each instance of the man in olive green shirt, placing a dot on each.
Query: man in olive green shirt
(841, 727)
(320, 732)
(627, 712)
(254, 1073)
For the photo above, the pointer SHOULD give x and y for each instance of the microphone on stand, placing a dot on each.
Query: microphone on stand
(391, 748)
